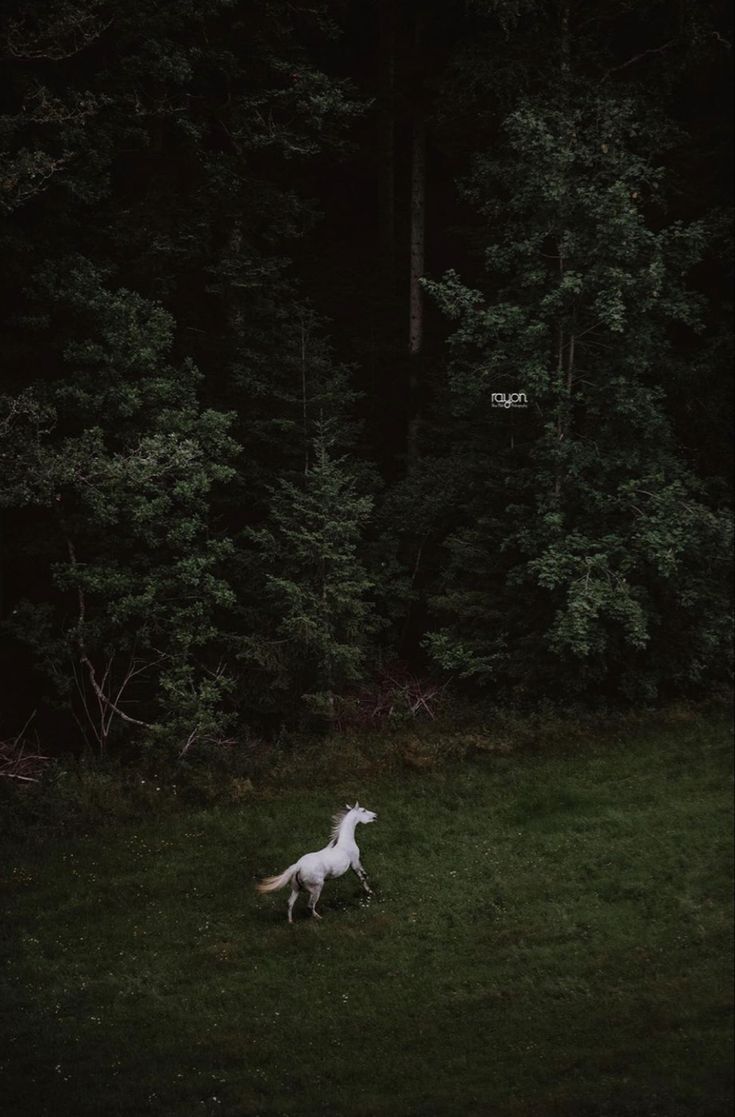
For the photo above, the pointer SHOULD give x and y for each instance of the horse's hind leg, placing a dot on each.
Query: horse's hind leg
(315, 893)
(292, 899)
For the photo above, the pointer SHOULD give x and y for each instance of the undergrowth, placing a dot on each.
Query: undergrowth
(74, 795)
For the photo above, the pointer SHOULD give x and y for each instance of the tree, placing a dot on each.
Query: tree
(417, 237)
(119, 460)
(307, 563)
(583, 562)
(153, 156)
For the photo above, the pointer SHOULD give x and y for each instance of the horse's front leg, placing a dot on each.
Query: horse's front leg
(362, 877)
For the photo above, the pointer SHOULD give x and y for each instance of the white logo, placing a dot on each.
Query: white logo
(509, 399)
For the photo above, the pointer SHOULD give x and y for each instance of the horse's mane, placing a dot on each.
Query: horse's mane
(337, 820)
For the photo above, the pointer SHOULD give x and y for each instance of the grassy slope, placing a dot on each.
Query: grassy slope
(550, 935)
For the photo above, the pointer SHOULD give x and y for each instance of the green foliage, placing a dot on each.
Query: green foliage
(150, 172)
(183, 555)
(599, 552)
(307, 564)
(120, 460)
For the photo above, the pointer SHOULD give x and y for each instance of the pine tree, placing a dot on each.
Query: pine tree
(308, 564)
(166, 147)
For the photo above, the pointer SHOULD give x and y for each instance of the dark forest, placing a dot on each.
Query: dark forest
(358, 346)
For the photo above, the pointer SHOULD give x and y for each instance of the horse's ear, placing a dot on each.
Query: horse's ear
(349, 808)
(356, 804)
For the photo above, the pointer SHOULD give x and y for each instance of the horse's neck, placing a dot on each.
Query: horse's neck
(346, 834)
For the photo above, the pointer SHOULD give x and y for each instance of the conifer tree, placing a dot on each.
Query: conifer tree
(164, 144)
(307, 563)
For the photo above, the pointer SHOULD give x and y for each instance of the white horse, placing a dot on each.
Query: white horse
(311, 870)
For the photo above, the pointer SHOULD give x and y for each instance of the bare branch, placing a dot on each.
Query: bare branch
(16, 763)
(637, 58)
(107, 707)
(58, 40)
(27, 175)
(19, 736)
(103, 698)
(189, 742)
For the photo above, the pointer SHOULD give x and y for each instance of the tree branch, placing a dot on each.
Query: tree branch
(637, 58)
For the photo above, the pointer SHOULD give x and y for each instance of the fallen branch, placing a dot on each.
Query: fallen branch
(16, 763)
(394, 693)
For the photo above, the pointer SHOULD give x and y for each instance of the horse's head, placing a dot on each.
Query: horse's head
(362, 814)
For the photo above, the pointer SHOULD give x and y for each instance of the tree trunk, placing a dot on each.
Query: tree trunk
(387, 144)
(565, 376)
(304, 399)
(417, 258)
(418, 222)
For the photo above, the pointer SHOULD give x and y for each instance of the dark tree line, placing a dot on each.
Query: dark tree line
(342, 334)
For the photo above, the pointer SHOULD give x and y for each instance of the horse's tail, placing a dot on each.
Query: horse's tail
(272, 884)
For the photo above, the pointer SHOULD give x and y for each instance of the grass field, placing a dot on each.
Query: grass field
(550, 935)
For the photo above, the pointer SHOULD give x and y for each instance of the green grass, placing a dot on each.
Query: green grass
(550, 935)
